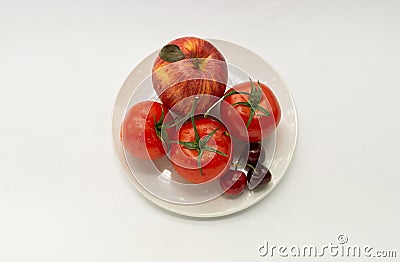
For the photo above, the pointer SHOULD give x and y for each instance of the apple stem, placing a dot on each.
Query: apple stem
(196, 63)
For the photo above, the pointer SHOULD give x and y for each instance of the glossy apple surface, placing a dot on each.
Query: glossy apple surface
(187, 67)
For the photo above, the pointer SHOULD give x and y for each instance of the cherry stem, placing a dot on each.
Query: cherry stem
(252, 167)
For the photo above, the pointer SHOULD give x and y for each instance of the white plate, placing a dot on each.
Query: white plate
(284, 140)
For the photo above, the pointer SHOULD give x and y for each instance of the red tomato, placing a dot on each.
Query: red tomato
(141, 130)
(201, 158)
(262, 106)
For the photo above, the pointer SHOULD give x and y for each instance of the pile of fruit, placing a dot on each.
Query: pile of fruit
(190, 79)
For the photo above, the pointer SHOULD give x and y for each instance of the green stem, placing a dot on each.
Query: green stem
(200, 144)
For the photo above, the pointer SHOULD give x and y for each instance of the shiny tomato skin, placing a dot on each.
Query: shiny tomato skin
(139, 131)
(236, 117)
(213, 165)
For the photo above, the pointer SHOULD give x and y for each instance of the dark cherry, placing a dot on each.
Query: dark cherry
(256, 154)
(258, 177)
(233, 182)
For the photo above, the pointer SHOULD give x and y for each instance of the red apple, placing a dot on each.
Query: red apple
(188, 67)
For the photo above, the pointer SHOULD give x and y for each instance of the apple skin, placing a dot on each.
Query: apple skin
(203, 70)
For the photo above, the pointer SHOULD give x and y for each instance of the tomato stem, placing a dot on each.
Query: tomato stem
(253, 104)
(200, 144)
(161, 129)
(233, 92)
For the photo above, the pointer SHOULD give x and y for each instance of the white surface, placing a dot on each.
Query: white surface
(63, 195)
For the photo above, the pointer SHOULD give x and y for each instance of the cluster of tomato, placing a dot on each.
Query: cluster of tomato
(201, 150)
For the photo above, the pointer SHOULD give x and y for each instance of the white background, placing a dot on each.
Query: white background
(63, 194)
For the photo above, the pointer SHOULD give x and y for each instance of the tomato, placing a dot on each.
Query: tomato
(141, 130)
(201, 150)
(252, 106)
